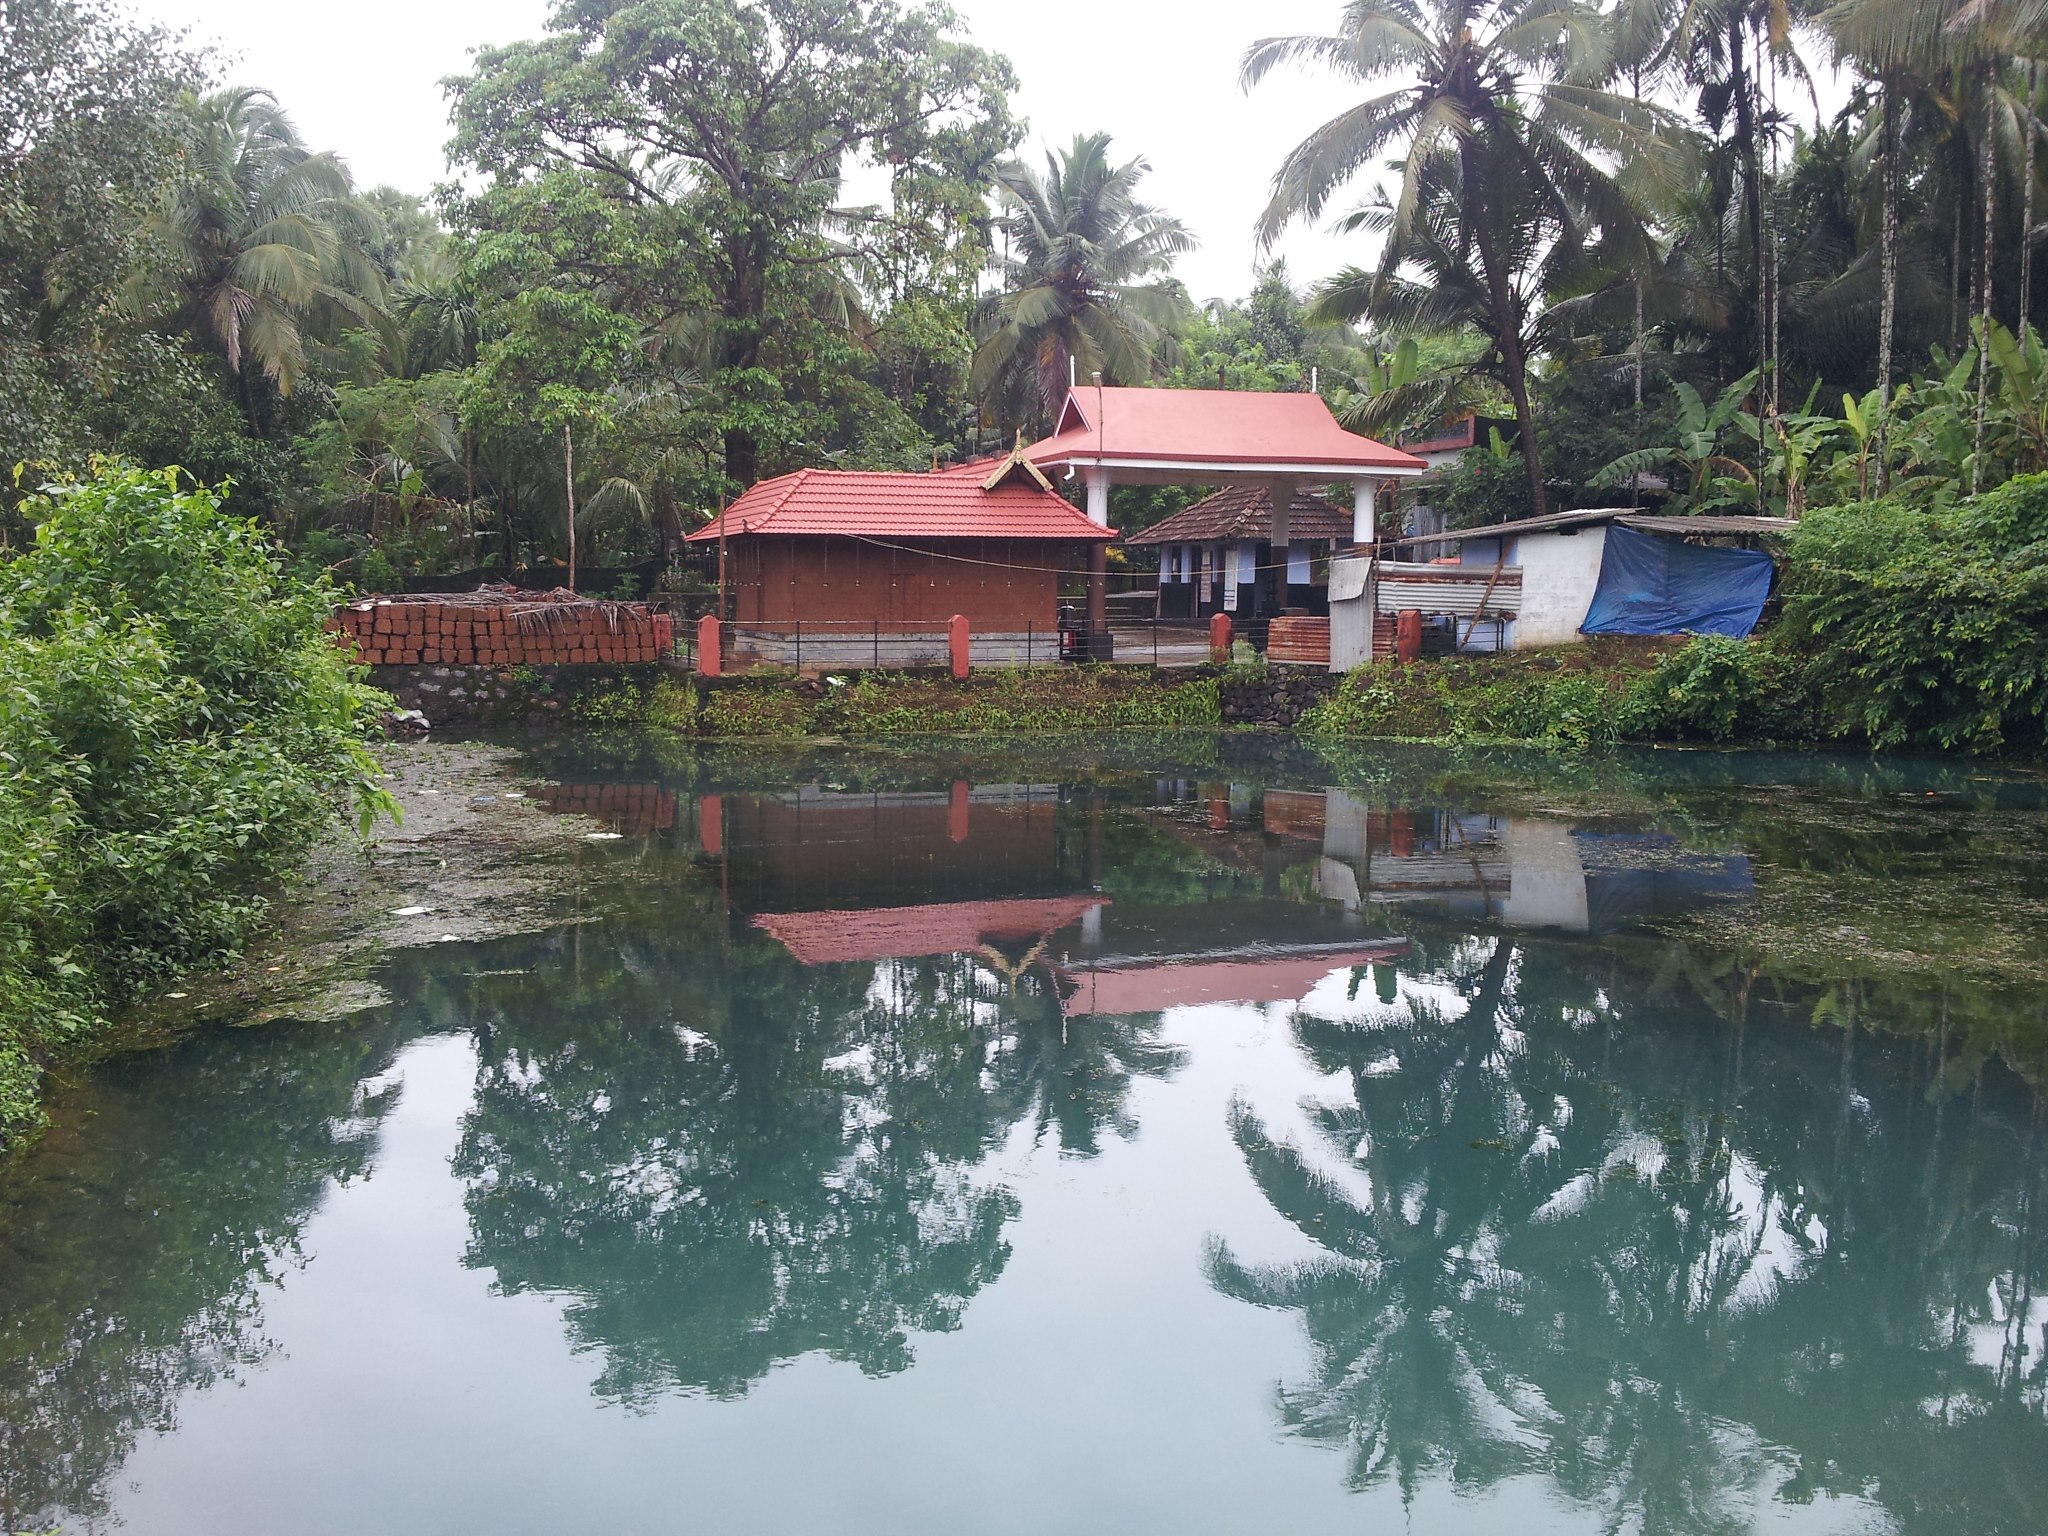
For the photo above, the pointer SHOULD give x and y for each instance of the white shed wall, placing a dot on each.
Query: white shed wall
(1559, 573)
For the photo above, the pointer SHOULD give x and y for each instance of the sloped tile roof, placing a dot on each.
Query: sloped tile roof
(897, 933)
(1240, 429)
(1246, 512)
(871, 504)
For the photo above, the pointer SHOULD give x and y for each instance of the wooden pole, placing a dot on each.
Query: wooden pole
(569, 483)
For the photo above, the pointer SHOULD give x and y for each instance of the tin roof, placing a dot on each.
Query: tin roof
(1703, 524)
(1242, 431)
(1246, 512)
(952, 504)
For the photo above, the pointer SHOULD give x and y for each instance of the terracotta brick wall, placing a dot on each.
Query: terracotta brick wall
(493, 629)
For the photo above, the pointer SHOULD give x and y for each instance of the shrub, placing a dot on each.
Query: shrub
(1928, 626)
(1706, 692)
(176, 728)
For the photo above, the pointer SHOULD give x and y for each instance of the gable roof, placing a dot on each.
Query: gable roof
(1246, 512)
(901, 933)
(1244, 430)
(952, 504)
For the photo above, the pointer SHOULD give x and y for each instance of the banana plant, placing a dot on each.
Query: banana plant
(1711, 476)
(1859, 425)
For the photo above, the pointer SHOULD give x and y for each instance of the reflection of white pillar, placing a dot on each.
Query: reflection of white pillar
(1098, 496)
(1091, 928)
(1363, 493)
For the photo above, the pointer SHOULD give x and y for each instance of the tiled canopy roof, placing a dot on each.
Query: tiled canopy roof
(875, 505)
(1241, 430)
(1246, 512)
(1152, 987)
(893, 933)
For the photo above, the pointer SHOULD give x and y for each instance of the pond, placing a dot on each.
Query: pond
(1196, 1134)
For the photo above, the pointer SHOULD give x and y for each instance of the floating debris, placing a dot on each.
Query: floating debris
(411, 911)
(603, 837)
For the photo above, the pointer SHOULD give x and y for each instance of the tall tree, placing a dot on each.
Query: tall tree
(1083, 280)
(262, 242)
(87, 132)
(721, 128)
(1513, 90)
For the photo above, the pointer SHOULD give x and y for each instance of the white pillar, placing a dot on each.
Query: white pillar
(1363, 494)
(1282, 495)
(1098, 496)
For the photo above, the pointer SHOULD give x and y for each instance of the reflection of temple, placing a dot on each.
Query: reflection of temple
(1011, 872)
(1523, 871)
(1017, 874)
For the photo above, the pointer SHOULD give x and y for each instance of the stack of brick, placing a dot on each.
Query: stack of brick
(502, 627)
(632, 808)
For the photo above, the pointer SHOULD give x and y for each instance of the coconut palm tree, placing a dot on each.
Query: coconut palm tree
(264, 242)
(1083, 280)
(1512, 90)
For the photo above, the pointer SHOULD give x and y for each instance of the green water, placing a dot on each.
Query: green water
(1174, 1136)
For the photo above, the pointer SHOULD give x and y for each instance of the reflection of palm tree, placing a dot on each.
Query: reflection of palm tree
(1544, 1246)
(1074, 1075)
(1385, 1306)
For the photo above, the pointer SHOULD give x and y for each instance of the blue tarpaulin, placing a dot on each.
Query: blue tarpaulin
(1657, 586)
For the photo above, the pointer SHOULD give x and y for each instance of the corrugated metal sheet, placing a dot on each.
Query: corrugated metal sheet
(1455, 589)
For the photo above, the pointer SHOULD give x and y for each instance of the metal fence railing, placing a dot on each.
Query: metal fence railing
(871, 645)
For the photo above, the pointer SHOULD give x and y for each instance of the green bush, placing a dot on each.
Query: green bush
(1927, 627)
(1706, 692)
(176, 728)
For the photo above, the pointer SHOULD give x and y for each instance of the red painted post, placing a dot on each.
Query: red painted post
(1408, 636)
(707, 646)
(956, 643)
(711, 824)
(956, 811)
(1219, 637)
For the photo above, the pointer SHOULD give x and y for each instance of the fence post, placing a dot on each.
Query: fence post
(708, 658)
(1219, 637)
(1030, 634)
(799, 645)
(1408, 636)
(956, 643)
(878, 645)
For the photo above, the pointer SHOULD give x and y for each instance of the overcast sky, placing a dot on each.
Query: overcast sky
(363, 79)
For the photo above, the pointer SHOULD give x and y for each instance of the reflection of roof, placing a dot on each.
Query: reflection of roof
(863, 504)
(1239, 429)
(897, 933)
(1246, 512)
(1173, 982)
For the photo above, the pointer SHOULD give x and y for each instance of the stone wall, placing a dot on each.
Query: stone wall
(451, 696)
(1277, 698)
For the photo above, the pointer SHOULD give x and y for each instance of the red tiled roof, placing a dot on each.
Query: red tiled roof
(1228, 428)
(1246, 512)
(898, 933)
(877, 505)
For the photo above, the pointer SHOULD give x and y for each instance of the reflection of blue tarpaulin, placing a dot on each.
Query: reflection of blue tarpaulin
(1657, 586)
(1633, 878)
